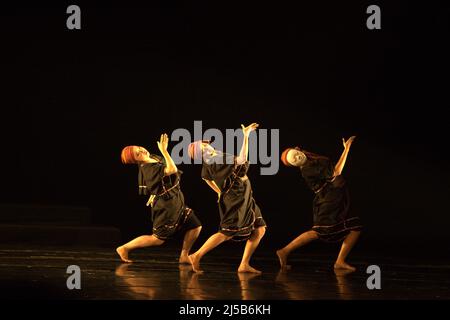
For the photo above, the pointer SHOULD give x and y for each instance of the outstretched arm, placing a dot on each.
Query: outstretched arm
(243, 155)
(163, 143)
(341, 163)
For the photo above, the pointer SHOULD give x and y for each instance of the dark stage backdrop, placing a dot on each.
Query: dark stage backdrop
(72, 99)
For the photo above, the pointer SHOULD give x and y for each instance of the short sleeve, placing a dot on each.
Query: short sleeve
(317, 171)
(326, 168)
(219, 169)
(153, 175)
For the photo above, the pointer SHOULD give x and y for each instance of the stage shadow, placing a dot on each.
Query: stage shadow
(248, 292)
(159, 284)
(190, 286)
(182, 283)
(320, 285)
(141, 285)
(292, 288)
(344, 284)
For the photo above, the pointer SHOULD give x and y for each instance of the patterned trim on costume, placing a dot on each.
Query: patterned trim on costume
(336, 223)
(151, 201)
(329, 234)
(245, 235)
(324, 185)
(186, 212)
(234, 176)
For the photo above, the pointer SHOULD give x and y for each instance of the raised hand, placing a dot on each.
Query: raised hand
(248, 129)
(163, 143)
(349, 142)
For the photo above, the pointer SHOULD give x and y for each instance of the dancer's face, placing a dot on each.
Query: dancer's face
(296, 157)
(208, 150)
(141, 154)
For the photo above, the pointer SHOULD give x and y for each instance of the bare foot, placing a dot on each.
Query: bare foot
(123, 253)
(342, 272)
(195, 262)
(283, 260)
(247, 268)
(184, 259)
(344, 266)
(245, 276)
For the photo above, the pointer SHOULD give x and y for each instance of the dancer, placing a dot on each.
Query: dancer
(240, 216)
(160, 178)
(333, 220)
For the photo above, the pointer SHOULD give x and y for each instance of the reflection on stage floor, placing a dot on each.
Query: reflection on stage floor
(156, 274)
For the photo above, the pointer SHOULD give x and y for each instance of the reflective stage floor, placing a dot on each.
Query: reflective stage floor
(41, 273)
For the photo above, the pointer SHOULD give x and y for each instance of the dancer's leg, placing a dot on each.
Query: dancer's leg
(301, 240)
(347, 245)
(210, 244)
(189, 239)
(139, 242)
(250, 248)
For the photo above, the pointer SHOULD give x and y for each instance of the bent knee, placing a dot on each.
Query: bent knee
(158, 241)
(225, 237)
(197, 231)
(313, 234)
(260, 231)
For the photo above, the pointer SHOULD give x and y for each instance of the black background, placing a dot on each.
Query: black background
(72, 99)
